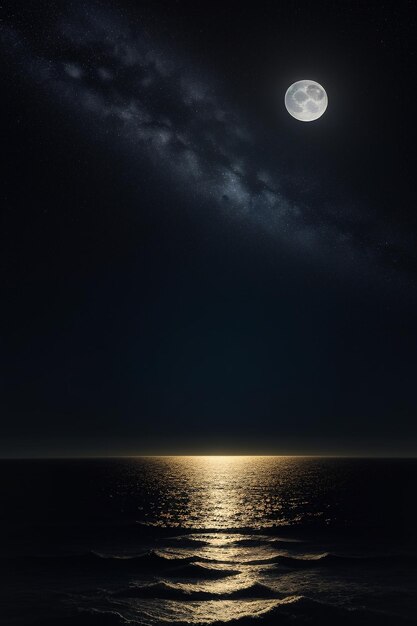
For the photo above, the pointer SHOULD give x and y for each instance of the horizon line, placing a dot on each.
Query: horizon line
(210, 455)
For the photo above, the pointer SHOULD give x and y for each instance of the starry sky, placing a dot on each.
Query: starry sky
(187, 269)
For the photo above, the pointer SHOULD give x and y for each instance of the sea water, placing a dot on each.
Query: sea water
(204, 540)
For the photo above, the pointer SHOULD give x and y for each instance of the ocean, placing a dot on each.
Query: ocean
(207, 540)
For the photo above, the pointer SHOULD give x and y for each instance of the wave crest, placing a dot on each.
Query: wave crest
(169, 591)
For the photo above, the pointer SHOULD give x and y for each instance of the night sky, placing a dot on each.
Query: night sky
(184, 267)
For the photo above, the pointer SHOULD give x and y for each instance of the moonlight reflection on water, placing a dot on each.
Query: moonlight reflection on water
(220, 492)
(198, 540)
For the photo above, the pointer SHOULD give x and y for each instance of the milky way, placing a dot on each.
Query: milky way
(147, 97)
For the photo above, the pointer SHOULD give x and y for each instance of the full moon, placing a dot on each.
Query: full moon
(306, 100)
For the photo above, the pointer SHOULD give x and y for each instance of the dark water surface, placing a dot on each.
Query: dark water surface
(176, 540)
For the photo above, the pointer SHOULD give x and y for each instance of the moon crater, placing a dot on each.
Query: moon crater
(306, 100)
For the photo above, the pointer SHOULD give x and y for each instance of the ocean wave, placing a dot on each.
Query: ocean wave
(152, 560)
(294, 610)
(200, 571)
(199, 566)
(187, 542)
(292, 531)
(260, 542)
(334, 560)
(289, 611)
(299, 609)
(169, 591)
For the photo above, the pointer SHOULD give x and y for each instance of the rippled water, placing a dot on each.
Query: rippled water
(229, 492)
(265, 540)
